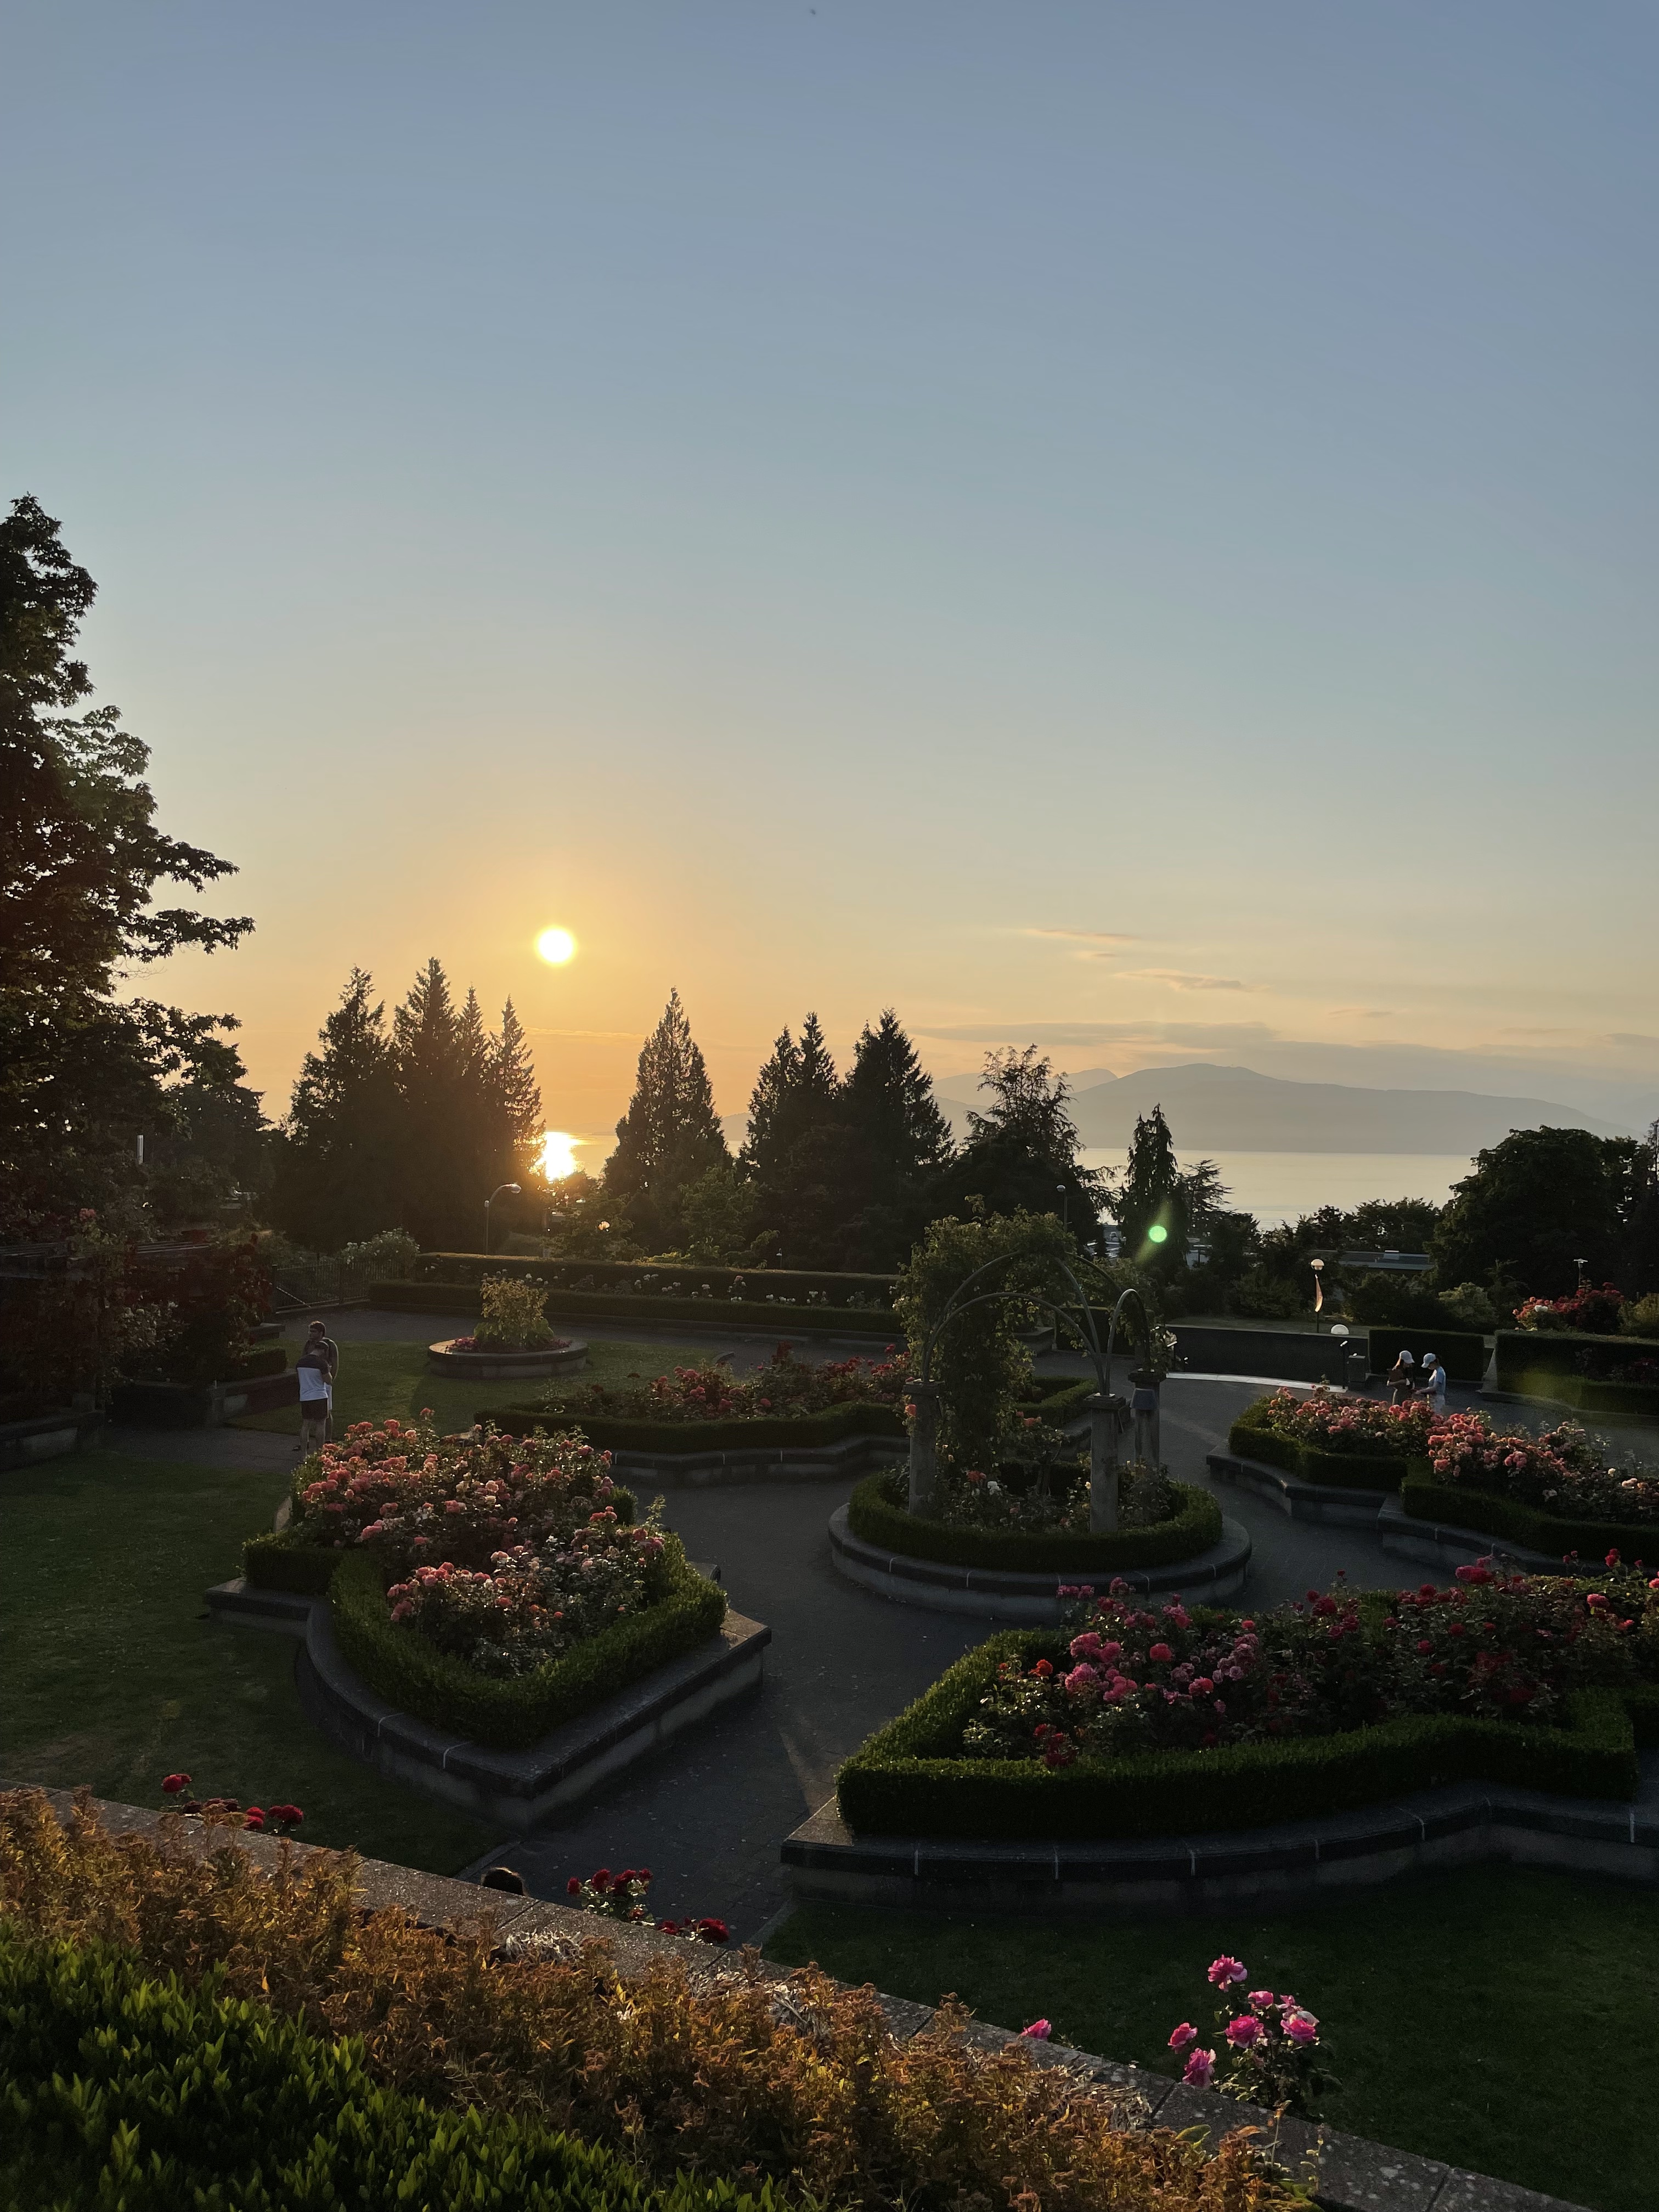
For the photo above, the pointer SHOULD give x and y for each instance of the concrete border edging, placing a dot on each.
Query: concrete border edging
(1330, 1504)
(519, 1789)
(41, 1437)
(1438, 1544)
(1273, 1869)
(839, 1461)
(1025, 1599)
(1353, 2174)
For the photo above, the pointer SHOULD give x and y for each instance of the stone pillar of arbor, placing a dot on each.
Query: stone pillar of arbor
(1145, 1407)
(923, 1444)
(1102, 1409)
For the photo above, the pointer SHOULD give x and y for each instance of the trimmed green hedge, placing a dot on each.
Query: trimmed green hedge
(1462, 1356)
(264, 1360)
(910, 1779)
(1526, 1357)
(1583, 1393)
(511, 1715)
(1250, 1438)
(1425, 1499)
(598, 1275)
(783, 1321)
(873, 1516)
(126, 2089)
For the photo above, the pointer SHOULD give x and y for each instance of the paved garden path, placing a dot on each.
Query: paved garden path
(707, 1815)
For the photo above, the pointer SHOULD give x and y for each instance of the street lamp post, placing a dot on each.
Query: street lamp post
(499, 1191)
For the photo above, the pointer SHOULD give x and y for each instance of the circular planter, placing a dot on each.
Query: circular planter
(1029, 1600)
(507, 1366)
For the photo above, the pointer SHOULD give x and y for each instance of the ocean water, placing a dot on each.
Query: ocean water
(1277, 1187)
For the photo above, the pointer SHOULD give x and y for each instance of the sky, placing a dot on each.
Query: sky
(1126, 526)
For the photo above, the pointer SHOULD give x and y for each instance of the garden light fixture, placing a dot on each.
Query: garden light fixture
(499, 1191)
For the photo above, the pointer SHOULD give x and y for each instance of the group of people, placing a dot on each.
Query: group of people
(1404, 1384)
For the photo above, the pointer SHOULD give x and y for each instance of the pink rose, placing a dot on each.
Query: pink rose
(1039, 2031)
(1184, 2034)
(1245, 2032)
(1300, 2028)
(1200, 2069)
(1224, 1971)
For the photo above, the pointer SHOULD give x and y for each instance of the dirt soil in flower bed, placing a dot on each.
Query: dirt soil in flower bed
(1425, 1991)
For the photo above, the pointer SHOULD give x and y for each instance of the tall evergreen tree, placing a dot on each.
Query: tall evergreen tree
(1150, 1195)
(338, 1165)
(516, 1088)
(768, 1107)
(670, 1134)
(897, 1130)
(437, 1174)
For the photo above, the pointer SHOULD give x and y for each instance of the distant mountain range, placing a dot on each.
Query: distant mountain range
(1234, 1109)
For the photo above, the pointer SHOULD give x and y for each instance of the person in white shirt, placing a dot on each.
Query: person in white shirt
(1433, 1385)
(316, 1396)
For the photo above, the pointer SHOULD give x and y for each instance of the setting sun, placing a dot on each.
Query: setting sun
(556, 947)
(558, 1158)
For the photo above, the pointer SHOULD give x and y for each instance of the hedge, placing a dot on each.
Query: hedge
(1522, 1352)
(1584, 1393)
(616, 1432)
(910, 1779)
(873, 1516)
(1251, 1438)
(264, 1360)
(1462, 1356)
(510, 1715)
(126, 2089)
(1490, 1515)
(839, 1289)
(606, 1305)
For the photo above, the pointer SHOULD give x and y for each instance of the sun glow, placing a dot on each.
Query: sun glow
(558, 1158)
(556, 947)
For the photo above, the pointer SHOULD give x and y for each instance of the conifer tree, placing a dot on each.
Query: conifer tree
(1151, 1196)
(516, 1087)
(768, 1108)
(438, 1168)
(338, 1177)
(898, 1132)
(670, 1134)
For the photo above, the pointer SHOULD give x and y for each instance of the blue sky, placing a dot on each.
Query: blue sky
(1127, 525)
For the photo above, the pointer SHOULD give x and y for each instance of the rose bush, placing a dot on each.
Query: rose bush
(1563, 1470)
(1266, 2047)
(1049, 1498)
(1334, 1421)
(1169, 1680)
(784, 1389)
(1591, 1311)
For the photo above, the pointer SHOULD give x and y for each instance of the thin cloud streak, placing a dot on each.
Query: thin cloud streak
(1177, 978)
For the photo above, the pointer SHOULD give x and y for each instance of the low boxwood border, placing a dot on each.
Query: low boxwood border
(711, 1313)
(909, 1780)
(1250, 1438)
(510, 1716)
(1490, 1515)
(1525, 1355)
(1584, 1393)
(609, 1434)
(1194, 1527)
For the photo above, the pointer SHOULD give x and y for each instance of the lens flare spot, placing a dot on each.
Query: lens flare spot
(1157, 1234)
(556, 947)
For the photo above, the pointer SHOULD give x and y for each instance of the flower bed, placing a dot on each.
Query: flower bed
(496, 1586)
(1329, 1438)
(786, 1388)
(877, 1513)
(1555, 1492)
(1154, 1722)
(709, 1312)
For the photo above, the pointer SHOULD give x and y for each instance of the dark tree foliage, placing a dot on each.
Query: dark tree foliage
(81, 1073)
(1021, 1151)
(411, 1129)
(1536, 1205)
(670, 1135)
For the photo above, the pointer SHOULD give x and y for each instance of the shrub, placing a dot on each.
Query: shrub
(1471, 1307)
(513, 1315)
(1587, 1311)
(785, 1388)
(1640, 1316)
(1314, 1438)
(1268, 2045)
(707, 2079)
(1564, 1472)
(128, 2087)
(877, 1514)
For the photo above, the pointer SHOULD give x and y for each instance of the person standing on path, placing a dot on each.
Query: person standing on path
(318, 1340)
(1400, 1378)
(1433, 1385)
(315, 1395)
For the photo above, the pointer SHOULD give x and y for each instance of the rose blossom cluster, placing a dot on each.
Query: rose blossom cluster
(1172, 1680)
(785, 1388)
(1332, 1420)
(621, 1897)
(1267, 2045)
(1564, 1470)
(532, 1602)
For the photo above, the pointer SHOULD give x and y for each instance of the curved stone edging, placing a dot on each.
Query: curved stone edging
(846, 1457)
(1438, 1544)
(1333, 1504)
(507, 1366)
(519, 1789)
(1458, 1825)
(1028, 1600)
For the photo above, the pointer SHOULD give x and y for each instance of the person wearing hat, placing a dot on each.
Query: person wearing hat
(1399, 1377)
(1433, 1385)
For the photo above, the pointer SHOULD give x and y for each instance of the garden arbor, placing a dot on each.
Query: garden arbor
(1107, 1413)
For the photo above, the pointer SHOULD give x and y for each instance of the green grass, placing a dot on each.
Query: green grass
(114, 1675)
(378, 1380)
(1495, 2018)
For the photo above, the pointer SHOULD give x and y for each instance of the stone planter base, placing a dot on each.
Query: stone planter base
(505, 1366)
(1435, 1543)
(1028, 1600)
(1330, 1503)
(1259, 1869)
(46, 1436)
(841, 1461)
(516, 1790)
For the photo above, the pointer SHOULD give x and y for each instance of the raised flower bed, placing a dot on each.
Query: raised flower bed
(1157, 1721)
(491, 1589)
(1555, 1494)
(514, 1340)
(1331, 1438)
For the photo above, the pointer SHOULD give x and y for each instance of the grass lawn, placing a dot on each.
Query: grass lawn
(1493, 2018)
(114, 1675)
(380, 1379)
